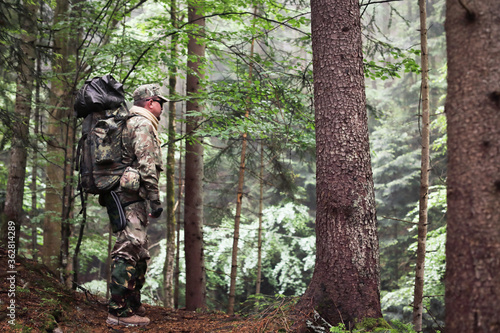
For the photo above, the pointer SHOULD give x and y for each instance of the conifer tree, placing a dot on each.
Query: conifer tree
(424, 176)
(25, 56)
(345, 283)
(472, 107)
(193, 203)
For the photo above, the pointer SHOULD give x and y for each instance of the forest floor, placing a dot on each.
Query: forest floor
(43, 304)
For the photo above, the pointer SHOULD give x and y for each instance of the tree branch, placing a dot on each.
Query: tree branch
(391, 218)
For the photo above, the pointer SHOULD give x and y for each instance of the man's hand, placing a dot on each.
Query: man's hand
(156, 209)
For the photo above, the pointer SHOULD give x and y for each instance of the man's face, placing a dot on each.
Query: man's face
(155, 106)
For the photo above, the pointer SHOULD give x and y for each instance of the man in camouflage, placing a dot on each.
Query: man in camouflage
(138, 187)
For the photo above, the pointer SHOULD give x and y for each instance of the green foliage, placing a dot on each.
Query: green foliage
(439, 125)
(289, 247)
(436, 207)
(400, 61)
(98, 287)
(287, 250)
(375, 325)
(276, 110)
(395, 143)
(396, 304)
(93, 247)
(340, 328)
(151, 292)
(396, 165)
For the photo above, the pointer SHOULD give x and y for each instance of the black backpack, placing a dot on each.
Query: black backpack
(99, 154)
(99, 94)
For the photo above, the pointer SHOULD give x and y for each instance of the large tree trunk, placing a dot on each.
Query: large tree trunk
(193, 203)
(473, 184)
(59, 149)
(345, 284)
(424, 177)
(18, 150)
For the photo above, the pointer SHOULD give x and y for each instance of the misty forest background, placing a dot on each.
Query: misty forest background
(258, 59)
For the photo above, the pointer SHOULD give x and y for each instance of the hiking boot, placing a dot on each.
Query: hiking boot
(141, 311)
(127, 321)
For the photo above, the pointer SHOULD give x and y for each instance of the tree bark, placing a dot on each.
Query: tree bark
(193, 203)
(236, 233)
(424, 177)
(259, 237)
(57, 133)
(345, 283)
(34, 172)
(18, 151)
(177, 271)
(168, 268)
(473, 182)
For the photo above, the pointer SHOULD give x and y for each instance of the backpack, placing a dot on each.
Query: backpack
(99, 94)
(99, 152)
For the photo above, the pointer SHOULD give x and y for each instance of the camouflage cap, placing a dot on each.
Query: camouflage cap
(148, 90)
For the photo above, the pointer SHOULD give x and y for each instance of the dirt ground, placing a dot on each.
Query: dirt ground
(42, 304)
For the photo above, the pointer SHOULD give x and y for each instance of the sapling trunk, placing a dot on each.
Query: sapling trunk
(424, 178)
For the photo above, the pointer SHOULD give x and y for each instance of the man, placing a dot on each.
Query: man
(138, 188)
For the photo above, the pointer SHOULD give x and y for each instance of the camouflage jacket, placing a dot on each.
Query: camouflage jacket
(142, 151)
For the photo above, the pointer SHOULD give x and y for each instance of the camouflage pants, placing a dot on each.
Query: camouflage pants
(130, 255)
(127, 281)
(132, 242)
